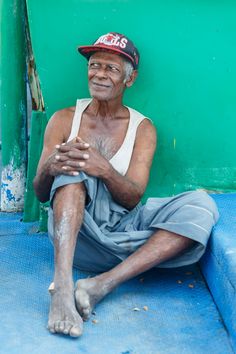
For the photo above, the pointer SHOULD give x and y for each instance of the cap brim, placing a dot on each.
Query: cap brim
(88, 50)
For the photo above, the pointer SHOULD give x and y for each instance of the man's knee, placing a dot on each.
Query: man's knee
(73, 194)
(201, 199)
(72, 187)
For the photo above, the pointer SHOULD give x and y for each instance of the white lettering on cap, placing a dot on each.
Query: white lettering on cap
(123, 42)
(113, 40)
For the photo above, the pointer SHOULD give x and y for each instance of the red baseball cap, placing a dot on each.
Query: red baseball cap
(115, 43)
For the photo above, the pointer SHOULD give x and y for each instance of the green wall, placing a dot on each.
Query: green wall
(12, 105)
(186, 82)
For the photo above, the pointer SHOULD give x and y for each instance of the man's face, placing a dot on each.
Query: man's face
(106, 76)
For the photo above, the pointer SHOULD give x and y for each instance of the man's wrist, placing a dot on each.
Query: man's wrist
(48, 168)
(107, 172)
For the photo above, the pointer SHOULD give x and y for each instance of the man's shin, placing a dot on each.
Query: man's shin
(68, 211)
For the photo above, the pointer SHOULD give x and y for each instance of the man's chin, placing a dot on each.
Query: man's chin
(100, 96)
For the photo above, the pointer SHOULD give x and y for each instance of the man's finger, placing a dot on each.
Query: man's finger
(61, 157)
(78, 146)
(74, 164)
(72, 155)
(66, 170)
(77, 155)
(80, 140)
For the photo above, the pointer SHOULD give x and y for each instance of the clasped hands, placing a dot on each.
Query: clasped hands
(76, 155)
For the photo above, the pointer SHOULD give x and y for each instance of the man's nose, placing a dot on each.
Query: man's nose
(101, 72)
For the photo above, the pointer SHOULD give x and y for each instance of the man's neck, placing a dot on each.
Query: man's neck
(106, 109)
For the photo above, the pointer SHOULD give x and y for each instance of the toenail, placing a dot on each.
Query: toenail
(75, 333)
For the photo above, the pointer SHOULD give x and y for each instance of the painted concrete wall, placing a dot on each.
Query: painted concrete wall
(186, 83)
(12, 104)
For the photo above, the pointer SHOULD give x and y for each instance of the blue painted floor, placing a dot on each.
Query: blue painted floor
(181, 317)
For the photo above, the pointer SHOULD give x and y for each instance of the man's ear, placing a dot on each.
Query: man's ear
(131, 79)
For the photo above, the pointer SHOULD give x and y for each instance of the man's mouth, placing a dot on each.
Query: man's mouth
(100, 85)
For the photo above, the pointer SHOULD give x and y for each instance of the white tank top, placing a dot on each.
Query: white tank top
(121, 160)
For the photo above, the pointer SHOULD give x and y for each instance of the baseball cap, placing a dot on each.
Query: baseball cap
(115, 43)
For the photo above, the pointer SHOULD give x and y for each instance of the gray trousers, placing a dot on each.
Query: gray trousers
(110, 233)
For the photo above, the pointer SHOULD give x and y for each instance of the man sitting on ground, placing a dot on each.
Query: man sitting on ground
(95, 168)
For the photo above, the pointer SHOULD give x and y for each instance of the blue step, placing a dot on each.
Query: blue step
(219, 262)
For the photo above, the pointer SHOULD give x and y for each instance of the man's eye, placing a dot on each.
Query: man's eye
(114, 68)
(94, 65)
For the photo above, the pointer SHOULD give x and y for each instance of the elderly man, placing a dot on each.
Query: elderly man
(94, 168)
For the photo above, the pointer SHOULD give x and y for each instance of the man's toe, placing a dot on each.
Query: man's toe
(61, 326)
(86, 313)
(57, 326)
(76, 331)
(67, 327)
(50, 327)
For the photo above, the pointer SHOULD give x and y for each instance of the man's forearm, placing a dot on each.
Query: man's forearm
(42, 184)
(124, 191)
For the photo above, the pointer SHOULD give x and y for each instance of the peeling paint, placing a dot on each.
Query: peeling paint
(12, 188)
(209, 178)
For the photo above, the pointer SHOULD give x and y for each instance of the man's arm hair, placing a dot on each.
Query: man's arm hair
(56, 132)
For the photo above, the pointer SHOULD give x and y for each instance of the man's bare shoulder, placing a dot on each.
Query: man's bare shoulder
(148, 125)
(59, 125)
(64, 114)
(147, 130)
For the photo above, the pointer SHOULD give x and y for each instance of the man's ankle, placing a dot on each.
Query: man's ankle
(108, 282)
(63, 284)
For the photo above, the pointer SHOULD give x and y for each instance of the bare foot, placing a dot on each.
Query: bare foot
(88, 292)
(63, 316)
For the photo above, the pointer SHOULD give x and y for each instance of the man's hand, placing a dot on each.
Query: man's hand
(56, 160)
(78, 155)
